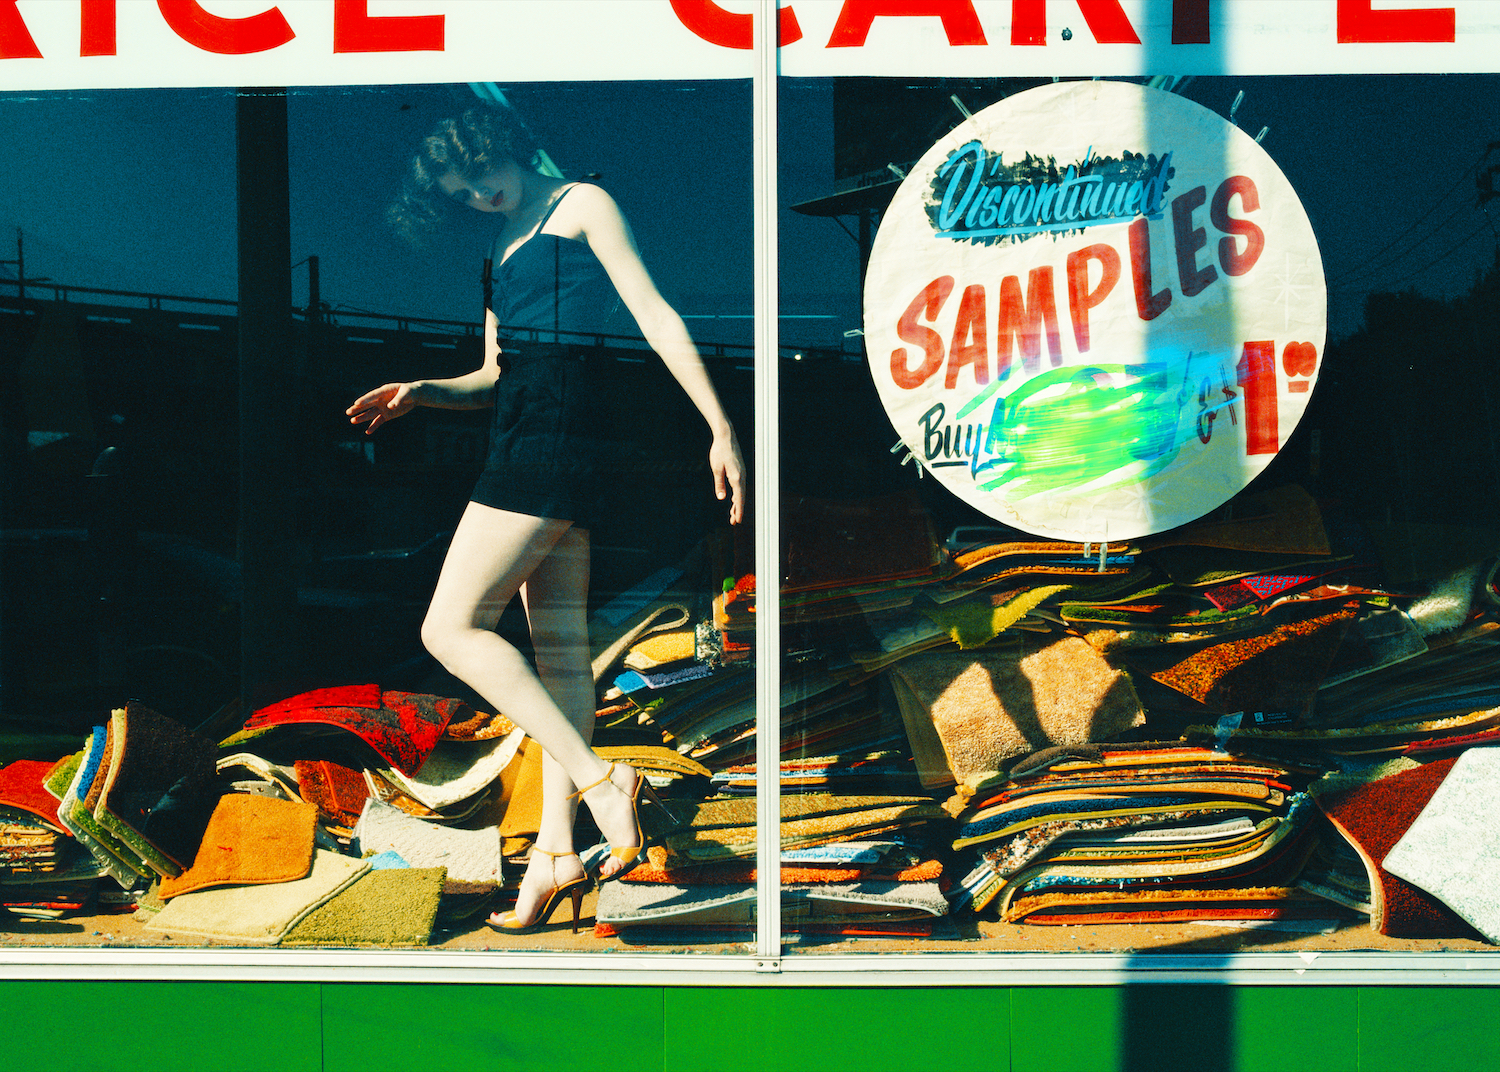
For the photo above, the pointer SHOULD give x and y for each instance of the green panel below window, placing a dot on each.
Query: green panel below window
(1296, 1029)
(869, 1029)
(467, 1028)
(1436, 1029)
(148, 1026)
(134, 1026)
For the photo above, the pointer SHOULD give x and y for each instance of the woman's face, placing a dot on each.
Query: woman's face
(500, 189)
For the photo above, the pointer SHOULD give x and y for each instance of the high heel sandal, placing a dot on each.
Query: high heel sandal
(627, 855)
(510, 923)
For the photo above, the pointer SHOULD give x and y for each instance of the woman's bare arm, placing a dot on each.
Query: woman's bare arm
(472, 390)
(604, 228)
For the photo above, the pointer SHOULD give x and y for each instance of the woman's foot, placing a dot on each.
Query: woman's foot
(543, 889)
(614, 800)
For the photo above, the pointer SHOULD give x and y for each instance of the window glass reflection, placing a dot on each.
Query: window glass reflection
(212, 569)
(1203, 738)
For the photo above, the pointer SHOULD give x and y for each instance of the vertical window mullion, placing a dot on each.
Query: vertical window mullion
(767, 483)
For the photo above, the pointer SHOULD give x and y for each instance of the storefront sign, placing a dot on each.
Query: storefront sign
(72, 44)
(1095, 310)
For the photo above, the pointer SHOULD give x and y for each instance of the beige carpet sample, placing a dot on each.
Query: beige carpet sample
(472, 857)
(966, 713)
(257, 915)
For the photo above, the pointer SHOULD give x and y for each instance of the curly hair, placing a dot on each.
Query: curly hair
(469, 146)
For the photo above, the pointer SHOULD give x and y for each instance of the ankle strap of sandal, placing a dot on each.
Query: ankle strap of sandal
(579, 795)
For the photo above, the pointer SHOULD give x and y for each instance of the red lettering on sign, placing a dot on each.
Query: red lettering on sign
(1257, 373)
(96, 28)
(927, 303)
(1028, 22)
(1105, 18)
(971, 344)
(1299, 358)
(960, 22)
(1358, 24)
(15, 39)
(226, 37)
(1022, 321)
(356, 30)
(1107, 22)
(728, 29)
(1237, 263)
(1080, 298)
(1149, 306)
(1189, 240)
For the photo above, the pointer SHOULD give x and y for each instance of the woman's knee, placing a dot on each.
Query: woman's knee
(443, 639)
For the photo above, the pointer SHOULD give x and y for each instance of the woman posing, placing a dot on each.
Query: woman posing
(562, 255)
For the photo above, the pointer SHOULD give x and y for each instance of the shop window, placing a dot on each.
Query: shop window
(1007, 719)
(1212, 732)
(214, 619)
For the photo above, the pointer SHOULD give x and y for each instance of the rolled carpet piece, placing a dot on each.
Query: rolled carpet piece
(402, 726)
(480, 726)
(21, 788)
(457, 770)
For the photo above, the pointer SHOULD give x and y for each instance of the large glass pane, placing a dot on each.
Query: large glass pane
(1007, 727)
(215, 582)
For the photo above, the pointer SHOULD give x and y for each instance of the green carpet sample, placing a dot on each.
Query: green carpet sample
(384, 909)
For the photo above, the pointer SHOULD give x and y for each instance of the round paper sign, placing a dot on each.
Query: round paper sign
(1095, 311)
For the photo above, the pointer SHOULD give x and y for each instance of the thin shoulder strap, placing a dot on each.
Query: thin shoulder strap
(555, 202)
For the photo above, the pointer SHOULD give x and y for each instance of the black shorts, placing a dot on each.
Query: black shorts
(553, 448)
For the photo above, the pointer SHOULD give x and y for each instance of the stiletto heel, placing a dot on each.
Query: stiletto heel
(510, 923)
(627, 855)
(645, 787)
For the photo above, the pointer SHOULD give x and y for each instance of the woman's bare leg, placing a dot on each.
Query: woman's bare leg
(494, 554)
(556, 599)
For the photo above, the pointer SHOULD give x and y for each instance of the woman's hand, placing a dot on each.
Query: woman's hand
(728, 467)
(382, 404)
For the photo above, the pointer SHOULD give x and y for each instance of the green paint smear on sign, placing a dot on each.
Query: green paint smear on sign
(1065, 429)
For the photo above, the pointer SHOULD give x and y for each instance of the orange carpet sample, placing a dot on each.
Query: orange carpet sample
(250, 840)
